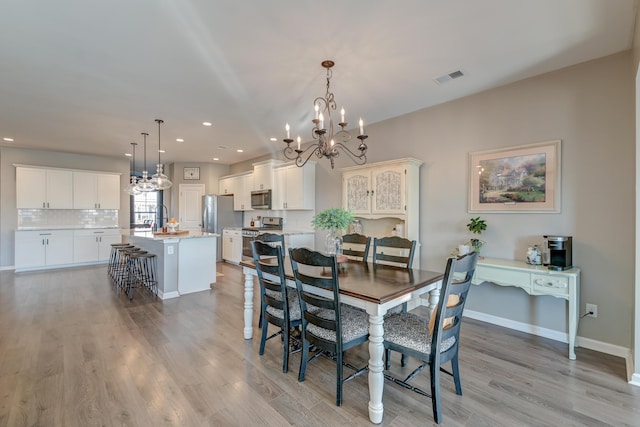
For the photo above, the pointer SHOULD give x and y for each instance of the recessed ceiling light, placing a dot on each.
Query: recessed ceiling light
(161, 151)
(6, 138)
(179, 139)
(240, 151)
(206, 123)
(215, 158)
(128, 154)
(273, 139)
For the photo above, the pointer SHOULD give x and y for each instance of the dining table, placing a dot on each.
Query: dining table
(376, 288)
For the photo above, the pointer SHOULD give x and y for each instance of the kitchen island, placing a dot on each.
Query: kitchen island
(186, 262)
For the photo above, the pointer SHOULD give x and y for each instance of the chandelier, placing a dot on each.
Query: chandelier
(329, 144)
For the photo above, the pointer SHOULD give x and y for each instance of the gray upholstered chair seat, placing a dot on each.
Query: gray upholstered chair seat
(411, 331)
(355, 323)
(294, 305)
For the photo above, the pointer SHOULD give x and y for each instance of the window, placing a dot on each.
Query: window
(146, 210)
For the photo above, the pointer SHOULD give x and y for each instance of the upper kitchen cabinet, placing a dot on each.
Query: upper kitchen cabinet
(242, 194)
(294, 187)
(93, 190)
(226, 185)
(263, 177)
(41, 188)
(382, 189)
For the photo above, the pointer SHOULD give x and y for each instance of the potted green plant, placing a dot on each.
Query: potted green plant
(476, 226)
(335, 220)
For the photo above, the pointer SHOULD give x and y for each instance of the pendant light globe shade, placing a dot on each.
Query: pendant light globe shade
(144, 184)
(132, 188)
(159, 179)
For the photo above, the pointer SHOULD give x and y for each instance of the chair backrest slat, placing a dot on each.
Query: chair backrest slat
(358, 239)
(395, 242)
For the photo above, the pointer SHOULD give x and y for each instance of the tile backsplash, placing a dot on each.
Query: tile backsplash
(66, 218)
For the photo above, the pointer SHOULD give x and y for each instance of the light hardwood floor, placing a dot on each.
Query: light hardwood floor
(74, 353)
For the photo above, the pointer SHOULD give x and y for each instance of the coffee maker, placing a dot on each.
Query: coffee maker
(557, 252)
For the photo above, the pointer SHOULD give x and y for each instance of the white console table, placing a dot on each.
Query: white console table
(535, 280)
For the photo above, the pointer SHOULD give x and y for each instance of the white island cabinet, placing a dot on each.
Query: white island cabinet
(185, 263)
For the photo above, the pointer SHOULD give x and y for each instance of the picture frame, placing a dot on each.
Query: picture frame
(191, 173)
(518, 179)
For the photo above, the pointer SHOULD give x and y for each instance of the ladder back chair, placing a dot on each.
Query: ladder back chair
(332, 328)
(279, 305)
(410, 334)
(272, 239)
(357, 239)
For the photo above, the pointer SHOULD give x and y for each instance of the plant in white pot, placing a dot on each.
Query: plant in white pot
(335, 220)
(476, 226)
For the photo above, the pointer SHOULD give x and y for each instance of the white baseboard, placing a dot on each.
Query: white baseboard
(591, 344)
(635, 379)
(168, 295)
(8, 267)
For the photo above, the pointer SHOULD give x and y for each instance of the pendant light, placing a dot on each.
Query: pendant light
(159, 179)
(132, 188)
(145, 184)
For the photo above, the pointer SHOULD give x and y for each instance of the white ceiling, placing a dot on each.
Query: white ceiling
(89, 76)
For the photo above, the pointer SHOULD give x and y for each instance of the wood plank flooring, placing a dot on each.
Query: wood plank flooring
(74, 353)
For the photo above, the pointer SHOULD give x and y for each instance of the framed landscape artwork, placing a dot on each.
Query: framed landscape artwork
(524, 178)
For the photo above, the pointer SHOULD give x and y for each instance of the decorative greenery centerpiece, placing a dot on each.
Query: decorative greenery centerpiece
(335, 220)
(477, 226)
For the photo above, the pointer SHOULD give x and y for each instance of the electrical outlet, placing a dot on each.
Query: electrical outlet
(170, 250)
(592, 308)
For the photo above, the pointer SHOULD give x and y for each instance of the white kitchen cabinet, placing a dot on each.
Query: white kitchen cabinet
(41, 188)
(232, 245)
(226, 185)
(94, 246)
(384, 190)
(93, 190)
(263, 174)
(42, 249)
(240, 186)
(242, 196)
(294, 187)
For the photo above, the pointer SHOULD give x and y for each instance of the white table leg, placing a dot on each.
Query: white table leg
(434, 298)
(248, 303)
(574, 317)
(376, 367)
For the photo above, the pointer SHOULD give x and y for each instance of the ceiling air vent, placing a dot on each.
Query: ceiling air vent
(447, 77)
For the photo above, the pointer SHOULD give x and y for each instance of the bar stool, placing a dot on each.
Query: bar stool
(142, 273)
(114, 257)
(126, 268)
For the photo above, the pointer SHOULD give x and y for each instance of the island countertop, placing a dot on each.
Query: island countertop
(147, 234)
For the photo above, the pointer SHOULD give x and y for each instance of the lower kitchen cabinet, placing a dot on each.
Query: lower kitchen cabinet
(232, 246)
(41, 249)
(91, 246)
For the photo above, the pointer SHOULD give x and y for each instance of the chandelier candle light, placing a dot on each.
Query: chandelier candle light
(326, 145)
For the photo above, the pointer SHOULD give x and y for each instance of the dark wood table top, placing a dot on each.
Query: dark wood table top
(371, 282)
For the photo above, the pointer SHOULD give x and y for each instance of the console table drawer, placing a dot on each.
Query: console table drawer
(549, 285)
(503, 277)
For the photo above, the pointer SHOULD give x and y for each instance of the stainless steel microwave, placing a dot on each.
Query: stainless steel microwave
(261, 199)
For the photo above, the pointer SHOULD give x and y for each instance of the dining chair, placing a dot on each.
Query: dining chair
(279, 305)
(332, 328)
(395, 244)
(363, 242)
(272, 239)
(409, 333)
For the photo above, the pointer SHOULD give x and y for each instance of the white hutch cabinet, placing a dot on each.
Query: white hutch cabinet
(385, 191)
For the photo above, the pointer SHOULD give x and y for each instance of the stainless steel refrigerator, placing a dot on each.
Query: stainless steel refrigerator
(218, 213)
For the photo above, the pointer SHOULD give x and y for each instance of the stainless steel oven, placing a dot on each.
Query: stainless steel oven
(272, 223)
